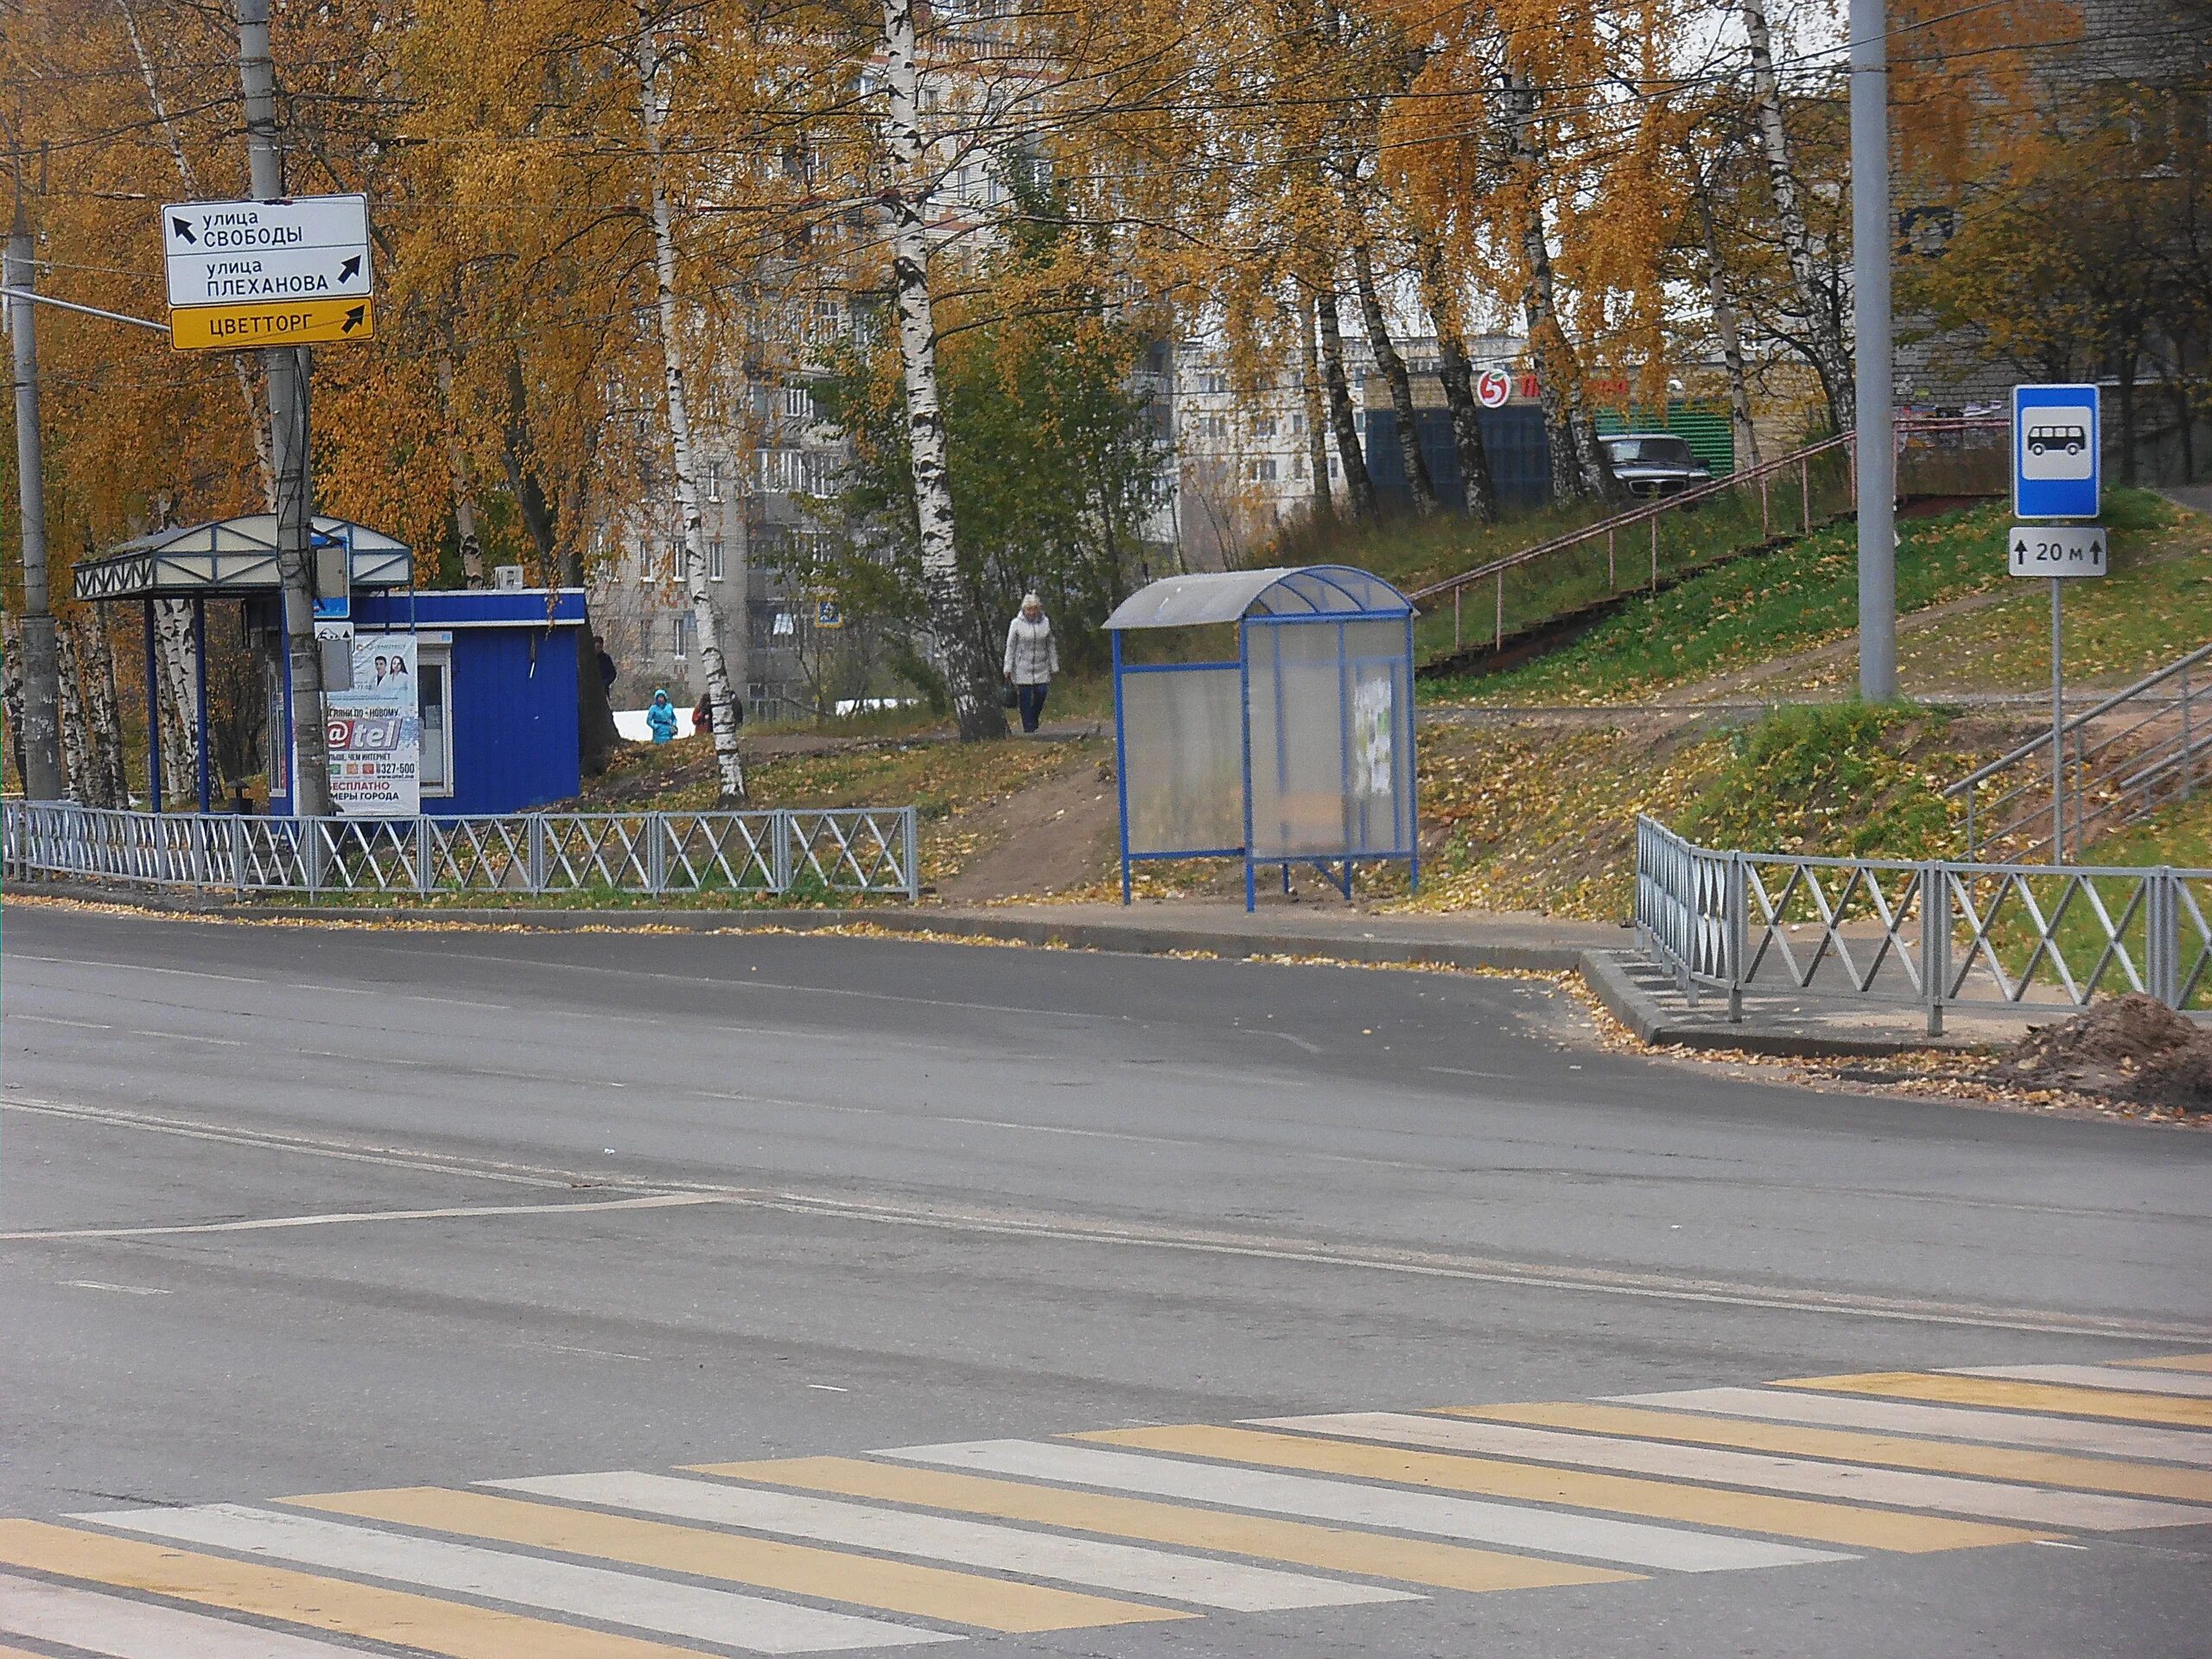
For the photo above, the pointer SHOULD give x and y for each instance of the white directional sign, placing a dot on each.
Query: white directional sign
(2058, 550)
(268, 273)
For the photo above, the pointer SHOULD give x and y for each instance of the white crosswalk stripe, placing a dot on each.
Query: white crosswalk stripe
(661, 1606)
(1943, 1422)
(1472, 1520)
(2096, 1376)
(1900, 1489)
(116, 1627)
(1165, 1574)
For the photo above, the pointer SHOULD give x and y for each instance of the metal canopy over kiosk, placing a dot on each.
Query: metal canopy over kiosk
(228, 558)
(1299, 751)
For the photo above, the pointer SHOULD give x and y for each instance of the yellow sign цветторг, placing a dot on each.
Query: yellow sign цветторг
(301, 322)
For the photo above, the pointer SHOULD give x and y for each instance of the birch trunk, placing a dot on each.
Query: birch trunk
(970, 672)
(464, 492)
(76, 764)
(12, 692)
(728, 763)
(1732, 339)
(1825, 343)
(103, 709)
(173, 662)
(1359, 488)
(1579, 466)
(1457, 375)
(1317, 437)
(1420, 489)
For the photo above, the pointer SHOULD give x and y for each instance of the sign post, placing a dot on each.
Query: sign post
(2057, 434)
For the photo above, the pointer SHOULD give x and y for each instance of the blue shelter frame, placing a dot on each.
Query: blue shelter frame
(1298, 751)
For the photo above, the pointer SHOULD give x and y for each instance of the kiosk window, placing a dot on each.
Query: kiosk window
(435, 680)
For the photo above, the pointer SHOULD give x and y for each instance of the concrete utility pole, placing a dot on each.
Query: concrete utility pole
(41, 732)
(1870, 278)
(286, 368)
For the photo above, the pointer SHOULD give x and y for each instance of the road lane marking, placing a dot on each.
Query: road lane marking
(1851, 1445)
(117, 1628)
(1786, 1517)
(187, 1036)
(1125, 1568)
(656, 1605)
(2094, 1376)
(2174, 1363)
(1633, 1543)
(147, 968)
(1899, 1489)
(1375, 1555)
(764, 1564)
(1950, 1422)
(120, 1290)
(2048, 1398)
(351, 1218)
(52, 1019)
(453, 1629)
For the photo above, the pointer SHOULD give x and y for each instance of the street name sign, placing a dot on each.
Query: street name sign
(268, 273)
(2056, 437)
(2058, 550)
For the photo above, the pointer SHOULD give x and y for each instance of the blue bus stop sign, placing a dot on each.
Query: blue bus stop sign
(2054, 445)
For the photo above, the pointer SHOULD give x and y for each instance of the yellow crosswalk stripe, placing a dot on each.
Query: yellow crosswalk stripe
(453, 1629)
(2015, 1396)
(1366, 1554)
(800, 1569)
(1853, 1446)
(1788, 1517)
(2172, 1362)
(19, 1653)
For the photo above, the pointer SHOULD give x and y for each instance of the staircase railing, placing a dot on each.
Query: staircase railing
(2119, 759)
(1935, 447)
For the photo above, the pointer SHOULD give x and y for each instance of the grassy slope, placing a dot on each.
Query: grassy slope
(1806, 595)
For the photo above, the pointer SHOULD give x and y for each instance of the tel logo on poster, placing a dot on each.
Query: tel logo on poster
(2056, 438)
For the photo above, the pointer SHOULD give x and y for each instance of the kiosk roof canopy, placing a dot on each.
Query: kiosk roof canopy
(231, 557)
(1230, 595)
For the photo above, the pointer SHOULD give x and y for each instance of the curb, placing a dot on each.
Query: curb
(1610, 974)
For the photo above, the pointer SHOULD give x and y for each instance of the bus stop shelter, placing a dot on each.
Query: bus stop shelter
(1299, 751)
(228, 559)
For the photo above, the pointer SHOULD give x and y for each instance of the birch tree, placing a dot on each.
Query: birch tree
(721, 700)
(970, 682)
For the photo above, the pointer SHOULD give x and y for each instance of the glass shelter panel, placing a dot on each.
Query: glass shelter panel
(1183, 759)
(1379, 705)
(1299, 740)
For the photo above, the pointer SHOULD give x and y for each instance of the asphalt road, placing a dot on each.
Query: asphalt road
(289, 1211)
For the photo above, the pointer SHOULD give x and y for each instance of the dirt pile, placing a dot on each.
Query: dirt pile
(2132, 1048)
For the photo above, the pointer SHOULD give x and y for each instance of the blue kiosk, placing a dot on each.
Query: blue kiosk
(1299, 751)
(497, 679)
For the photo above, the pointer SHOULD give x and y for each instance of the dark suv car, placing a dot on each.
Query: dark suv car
(1654, 463)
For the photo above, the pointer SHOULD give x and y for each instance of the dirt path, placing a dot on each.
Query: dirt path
(1052, 836)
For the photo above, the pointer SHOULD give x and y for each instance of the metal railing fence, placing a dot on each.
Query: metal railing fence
(857, 850)
(2032, 938)
(2119, 759)
(1935, 457)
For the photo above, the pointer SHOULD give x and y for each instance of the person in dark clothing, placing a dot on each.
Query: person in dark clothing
(606, 669)
(703, 715)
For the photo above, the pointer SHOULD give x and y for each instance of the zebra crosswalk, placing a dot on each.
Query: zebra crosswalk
(1133, 1526)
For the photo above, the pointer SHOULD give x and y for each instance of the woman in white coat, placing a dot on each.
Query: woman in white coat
(1033, 657)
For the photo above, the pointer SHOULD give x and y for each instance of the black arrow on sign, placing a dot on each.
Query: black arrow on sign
(184, 228)
(354, 319)
(349, 268)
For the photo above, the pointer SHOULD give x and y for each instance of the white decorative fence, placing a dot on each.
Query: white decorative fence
(857, 850)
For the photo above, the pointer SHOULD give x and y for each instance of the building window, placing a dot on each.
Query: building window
(1213, 426)
(1297, 465)
(1213, 382)
(1263, 470)
(714, 480)
(715, 560)
(433, 680)
(1264, 426)
(680, 634)
(1297, 426)
(799, 403)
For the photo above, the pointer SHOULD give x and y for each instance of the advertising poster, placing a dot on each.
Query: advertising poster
(376, 732)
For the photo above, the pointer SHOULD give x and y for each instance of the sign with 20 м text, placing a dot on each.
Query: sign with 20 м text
(2058, 550)
(268, 273)
(2054, 445)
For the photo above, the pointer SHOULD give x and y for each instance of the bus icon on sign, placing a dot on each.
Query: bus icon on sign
(2057, 445)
